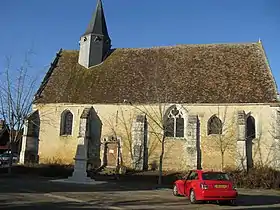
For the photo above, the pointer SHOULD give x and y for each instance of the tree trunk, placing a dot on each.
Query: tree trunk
(222, 162)
(10, 159)
(161, 163)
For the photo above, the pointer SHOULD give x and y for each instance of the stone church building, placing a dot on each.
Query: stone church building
(213, 105)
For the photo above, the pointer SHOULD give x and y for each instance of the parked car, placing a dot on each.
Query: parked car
(4, 158)
(199, 185)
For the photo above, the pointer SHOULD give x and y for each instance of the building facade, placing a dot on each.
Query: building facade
(213, 105)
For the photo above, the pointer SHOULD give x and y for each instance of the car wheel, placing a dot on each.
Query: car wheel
(192, 197)
(175, 190)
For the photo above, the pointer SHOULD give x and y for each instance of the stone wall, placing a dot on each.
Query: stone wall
(30, 138)
(179, 152)
(140, 143)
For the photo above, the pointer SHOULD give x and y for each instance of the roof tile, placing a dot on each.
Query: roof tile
(213, 73)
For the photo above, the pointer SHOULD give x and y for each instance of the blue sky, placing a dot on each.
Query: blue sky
(45, 26)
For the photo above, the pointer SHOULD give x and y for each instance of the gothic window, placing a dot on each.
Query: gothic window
(214, 125)
(250, 128)
(174, 123)
(250, 135)
(66, 123)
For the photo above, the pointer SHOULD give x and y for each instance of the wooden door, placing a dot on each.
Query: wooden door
(112, 154)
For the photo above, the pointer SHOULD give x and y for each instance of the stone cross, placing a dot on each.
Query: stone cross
(80, 167)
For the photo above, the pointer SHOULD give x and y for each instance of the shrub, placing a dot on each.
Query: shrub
(257, 177)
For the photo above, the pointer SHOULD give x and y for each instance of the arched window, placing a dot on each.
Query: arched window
(174, 123)
(215, 125)
(66, 123)
(250, 135)
(250, 128)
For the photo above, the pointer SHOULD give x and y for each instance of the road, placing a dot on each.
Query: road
(35, 193)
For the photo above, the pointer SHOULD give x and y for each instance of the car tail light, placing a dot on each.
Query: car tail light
(203, 186)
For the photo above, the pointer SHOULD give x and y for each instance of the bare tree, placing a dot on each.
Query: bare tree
(121, 126)
(254, 142)
(221, 127)
(16, 92)
(157, 128)
(154, 108)
(272, 147)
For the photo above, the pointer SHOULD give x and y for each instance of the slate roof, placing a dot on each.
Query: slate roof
(97, 24)
(212, 73)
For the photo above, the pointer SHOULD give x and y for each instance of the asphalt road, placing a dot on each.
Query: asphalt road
(35, 193)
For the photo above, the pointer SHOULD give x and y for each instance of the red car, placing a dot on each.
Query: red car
(201, 185)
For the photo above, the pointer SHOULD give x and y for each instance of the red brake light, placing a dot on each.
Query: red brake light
(203, 186)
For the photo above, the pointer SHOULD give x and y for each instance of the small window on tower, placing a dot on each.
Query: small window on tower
(97, 39)
(85, 39)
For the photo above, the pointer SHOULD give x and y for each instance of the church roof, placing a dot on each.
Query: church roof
(213, 73)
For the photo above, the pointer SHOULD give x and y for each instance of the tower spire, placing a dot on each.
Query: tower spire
(97, 23)
(95, 43)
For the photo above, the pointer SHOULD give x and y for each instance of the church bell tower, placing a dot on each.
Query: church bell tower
(95, 43)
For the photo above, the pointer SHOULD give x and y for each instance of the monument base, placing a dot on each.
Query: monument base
(75, 180)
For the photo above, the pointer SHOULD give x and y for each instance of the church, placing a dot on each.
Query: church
(210, 106)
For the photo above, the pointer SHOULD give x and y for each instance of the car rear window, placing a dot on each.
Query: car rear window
(215, 176)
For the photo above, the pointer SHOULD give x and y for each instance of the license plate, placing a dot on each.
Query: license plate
(220, 186)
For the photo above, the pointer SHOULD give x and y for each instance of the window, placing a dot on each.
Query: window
(215, 176)
(174, 123)
(66, 123)
(250, 128)
(214, 125)
(250, 135)
(193, 176)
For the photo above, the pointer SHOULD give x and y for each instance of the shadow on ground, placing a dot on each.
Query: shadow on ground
(46, 186)
(258, 200)
(61, 171)
(41, 186)
(67, 205)
(28, 181)
(245, 202)
(135, 204)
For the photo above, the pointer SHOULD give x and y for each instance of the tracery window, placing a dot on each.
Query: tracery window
(174, 123)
